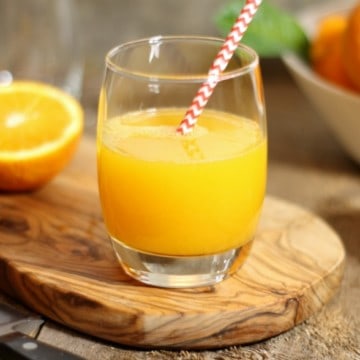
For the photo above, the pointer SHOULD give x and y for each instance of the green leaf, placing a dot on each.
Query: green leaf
(271, 33)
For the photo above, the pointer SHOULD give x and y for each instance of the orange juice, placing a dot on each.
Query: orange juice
(170, 194)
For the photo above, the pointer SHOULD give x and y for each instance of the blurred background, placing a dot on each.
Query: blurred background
(65, 41)
(107, 23)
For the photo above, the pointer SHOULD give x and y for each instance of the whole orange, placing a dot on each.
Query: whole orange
(351, 47)
(326, 50)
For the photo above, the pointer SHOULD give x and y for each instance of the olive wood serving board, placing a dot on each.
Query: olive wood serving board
(55, 257)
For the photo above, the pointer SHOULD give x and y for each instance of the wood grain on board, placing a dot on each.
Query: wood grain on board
(55, 257)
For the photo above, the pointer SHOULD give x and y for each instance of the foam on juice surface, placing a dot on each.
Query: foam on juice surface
(150, 135)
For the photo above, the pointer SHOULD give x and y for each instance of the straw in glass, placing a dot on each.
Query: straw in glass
(218, 66)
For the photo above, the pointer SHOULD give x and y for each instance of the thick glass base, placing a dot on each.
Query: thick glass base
(179, 271)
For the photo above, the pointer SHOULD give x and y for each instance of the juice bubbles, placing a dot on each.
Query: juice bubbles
(174, 195)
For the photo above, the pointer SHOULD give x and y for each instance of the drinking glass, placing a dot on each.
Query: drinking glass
(180, 210)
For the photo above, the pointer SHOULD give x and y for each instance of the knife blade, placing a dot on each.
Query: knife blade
(17, 342)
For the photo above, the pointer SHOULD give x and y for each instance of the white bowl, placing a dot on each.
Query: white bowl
(339, 107)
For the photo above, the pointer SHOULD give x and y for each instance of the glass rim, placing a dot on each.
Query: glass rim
(200, 77)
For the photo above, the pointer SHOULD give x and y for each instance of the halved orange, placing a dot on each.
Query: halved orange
(40, 127)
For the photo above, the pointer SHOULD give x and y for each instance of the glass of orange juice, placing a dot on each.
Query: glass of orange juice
(180, 210)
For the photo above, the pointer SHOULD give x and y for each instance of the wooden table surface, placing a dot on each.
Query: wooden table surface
(306, 167)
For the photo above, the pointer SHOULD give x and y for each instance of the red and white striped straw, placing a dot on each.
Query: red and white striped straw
(218, 66)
